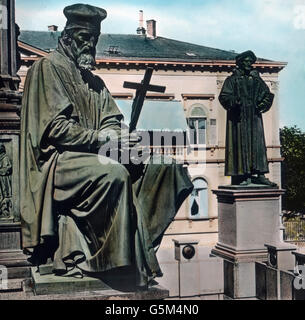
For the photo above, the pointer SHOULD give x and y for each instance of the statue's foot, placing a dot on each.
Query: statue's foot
(263, 180)
(246, 182)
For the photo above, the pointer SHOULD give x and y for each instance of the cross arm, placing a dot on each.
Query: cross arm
(138, 86)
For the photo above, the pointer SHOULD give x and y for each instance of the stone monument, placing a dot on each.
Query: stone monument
(11, 254)
(249, 209)
(87, 214)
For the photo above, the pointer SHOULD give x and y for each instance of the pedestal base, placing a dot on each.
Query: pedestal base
(50, 287)
(239, 271)
(248, 218)
(24, 291)
(52, 284)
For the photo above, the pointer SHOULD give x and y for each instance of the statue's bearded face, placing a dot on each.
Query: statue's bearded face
(83, 47)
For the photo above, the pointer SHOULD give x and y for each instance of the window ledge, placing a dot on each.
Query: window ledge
(203, 147)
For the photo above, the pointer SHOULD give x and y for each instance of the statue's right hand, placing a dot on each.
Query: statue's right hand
(129, 140)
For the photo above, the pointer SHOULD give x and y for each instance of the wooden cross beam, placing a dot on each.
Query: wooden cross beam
(138, 101)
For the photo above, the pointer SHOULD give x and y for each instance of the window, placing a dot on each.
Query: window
(199, 200)
(197, 123)
(213, 122)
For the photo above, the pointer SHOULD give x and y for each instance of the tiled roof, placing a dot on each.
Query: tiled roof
(40, 39)
(131, 47)
(141, 47)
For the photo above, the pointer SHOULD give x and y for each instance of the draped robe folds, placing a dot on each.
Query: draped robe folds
(102, 218)
(245, 98)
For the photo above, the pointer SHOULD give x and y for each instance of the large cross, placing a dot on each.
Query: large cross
(138, 101)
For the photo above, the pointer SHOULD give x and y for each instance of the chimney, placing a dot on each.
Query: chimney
(151, 29)
(141, 29)
(52, 28)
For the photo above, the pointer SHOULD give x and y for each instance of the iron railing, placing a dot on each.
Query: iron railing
(294, 230)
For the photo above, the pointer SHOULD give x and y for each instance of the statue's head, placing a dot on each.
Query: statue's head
(245, 60)
(82, 31)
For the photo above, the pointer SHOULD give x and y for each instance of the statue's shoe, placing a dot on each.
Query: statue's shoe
(263, 180)
(246, 182)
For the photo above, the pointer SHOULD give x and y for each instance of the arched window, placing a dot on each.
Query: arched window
(199, 200)
(197, 122)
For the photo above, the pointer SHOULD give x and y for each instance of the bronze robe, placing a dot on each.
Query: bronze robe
(101, 218)
(246, 152)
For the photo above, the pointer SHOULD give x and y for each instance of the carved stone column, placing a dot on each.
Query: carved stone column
(11, 254)
(9, 63)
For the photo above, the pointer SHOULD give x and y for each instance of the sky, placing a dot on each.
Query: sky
(273, 29)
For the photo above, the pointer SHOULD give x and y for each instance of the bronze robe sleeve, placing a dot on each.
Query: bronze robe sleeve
(67, 135)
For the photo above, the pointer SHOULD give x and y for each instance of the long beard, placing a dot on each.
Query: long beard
(84, 57)
(86, 61)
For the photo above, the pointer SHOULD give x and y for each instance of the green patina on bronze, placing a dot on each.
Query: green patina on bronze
(96, 216)
(246, 96)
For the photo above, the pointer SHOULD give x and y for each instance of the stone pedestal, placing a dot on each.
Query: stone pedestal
(248, 218)
(280, 256)
(48, 284)
(186, 253)
(76, 286)
(87, 289)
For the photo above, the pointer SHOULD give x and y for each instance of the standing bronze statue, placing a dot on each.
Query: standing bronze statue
(82, 213)
(246, 97)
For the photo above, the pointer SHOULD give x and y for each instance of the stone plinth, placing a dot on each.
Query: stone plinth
(248, 218)
(77, 287)
(280, 256)
(23, 291)
(186, 253)
(51, 287)
(299, 258)
(52, 284)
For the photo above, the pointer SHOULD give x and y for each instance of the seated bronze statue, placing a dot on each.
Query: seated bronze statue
(76, 210)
